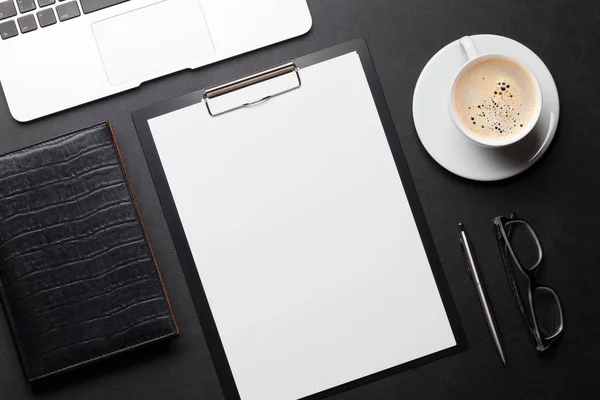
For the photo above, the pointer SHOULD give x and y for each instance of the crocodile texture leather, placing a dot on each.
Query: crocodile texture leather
(78, 279)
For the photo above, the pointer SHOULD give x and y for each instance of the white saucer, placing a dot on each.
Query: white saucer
(448, 145)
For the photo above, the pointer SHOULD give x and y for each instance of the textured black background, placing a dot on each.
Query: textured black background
(560, 197)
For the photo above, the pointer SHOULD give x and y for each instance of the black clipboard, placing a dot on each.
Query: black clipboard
(182, 247)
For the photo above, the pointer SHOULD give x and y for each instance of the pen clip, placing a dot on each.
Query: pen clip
(465, 258)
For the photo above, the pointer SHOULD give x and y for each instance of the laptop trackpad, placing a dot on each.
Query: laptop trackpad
(155, 40)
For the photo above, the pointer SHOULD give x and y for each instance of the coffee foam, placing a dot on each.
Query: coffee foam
(495, 98)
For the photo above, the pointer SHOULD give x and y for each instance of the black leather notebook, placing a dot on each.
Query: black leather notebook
(78, 279)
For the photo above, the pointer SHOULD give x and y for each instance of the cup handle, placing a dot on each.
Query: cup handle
(469, 47)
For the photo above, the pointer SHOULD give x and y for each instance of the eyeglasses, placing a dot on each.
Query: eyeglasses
(522, 255)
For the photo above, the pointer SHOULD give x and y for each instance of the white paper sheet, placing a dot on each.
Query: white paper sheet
(303, 236)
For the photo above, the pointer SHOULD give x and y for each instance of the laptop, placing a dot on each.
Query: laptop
(57, 54)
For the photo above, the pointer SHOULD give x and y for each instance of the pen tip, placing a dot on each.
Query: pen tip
(461, 226)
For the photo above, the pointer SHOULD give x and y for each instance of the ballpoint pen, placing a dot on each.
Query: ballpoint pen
(476, 277)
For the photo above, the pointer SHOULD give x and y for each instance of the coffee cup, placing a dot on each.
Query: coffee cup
(495, 100)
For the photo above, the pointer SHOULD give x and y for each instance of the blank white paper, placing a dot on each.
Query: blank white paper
(303, 236)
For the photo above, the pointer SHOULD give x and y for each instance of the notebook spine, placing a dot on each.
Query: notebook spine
(12, 325)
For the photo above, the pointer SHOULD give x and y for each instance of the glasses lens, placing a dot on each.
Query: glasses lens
(524, 243)
(548, 312)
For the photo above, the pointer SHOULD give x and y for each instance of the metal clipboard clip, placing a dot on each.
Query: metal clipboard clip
(244, 92)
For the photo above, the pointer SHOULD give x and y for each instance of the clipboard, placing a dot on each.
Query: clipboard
(220, 105)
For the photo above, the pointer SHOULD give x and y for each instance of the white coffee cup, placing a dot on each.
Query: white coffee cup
(475, 57)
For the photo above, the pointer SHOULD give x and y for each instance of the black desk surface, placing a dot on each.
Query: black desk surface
(559, 196)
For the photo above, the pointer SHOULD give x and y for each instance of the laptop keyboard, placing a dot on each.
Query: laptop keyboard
(24, 16)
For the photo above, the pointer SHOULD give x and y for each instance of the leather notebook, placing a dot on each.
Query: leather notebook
(78, 279)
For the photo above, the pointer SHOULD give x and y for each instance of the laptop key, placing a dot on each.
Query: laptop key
(89, 6)
(46, 17)
(45, 3)
(8, 30)
(7, 9)
(27, 23)
(26, 5)
(68, 11)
